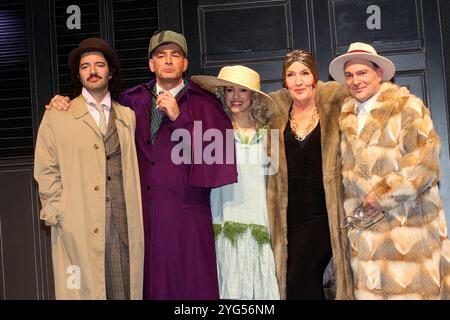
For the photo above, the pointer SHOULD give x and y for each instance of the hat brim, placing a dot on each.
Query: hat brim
(75, 54)
(210, 83)
(336, 68)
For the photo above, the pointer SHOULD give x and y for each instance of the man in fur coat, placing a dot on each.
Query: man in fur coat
(390, 157)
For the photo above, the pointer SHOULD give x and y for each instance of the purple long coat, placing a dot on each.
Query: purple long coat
(180, 261)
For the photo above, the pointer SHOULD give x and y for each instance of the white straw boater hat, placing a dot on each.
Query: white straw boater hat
(234, 76)
(359, 50)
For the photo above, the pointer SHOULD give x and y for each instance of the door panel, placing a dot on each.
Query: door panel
(24, 260)
(254, 33)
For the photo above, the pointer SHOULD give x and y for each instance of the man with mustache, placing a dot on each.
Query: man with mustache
(87, 169)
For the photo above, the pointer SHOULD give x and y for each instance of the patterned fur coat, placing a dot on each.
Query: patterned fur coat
(329, 99)
(406, 255)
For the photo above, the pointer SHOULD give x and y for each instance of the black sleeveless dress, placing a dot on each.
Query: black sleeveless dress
(309, 244)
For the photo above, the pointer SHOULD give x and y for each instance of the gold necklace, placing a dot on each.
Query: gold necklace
(300, 135)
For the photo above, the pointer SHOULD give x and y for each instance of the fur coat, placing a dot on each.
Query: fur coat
(396, 155)
(329, 99)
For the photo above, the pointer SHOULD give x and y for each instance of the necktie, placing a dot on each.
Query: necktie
(157, 118)
(102, 123)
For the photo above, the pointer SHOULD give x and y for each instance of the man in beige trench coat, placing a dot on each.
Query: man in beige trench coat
(87, 171)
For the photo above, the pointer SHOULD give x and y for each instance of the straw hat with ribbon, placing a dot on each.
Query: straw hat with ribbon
(234, 76)
(359, 50)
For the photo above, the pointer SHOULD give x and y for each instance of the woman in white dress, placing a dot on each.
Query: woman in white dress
(245, 261)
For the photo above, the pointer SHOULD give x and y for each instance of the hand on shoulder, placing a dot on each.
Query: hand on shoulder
(58, 103)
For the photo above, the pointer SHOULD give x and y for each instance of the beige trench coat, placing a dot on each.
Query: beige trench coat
(70, 168)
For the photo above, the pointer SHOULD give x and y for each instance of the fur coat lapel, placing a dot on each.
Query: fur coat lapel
(378, 118)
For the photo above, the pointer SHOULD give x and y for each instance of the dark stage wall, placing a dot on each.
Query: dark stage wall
(35, 41)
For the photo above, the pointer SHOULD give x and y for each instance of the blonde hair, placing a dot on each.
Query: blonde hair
(302, 56)
(259, 109)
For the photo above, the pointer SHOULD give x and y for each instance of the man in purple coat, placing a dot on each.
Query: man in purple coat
(180, 256)
(180, 261)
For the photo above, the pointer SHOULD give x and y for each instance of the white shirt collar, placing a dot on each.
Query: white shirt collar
(106, 102)
(367, 105)
(173, 91)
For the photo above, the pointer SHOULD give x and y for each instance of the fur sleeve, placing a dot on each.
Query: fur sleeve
(445, 270)
(418, 168)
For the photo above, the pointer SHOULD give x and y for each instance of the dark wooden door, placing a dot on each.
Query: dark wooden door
(254, 33)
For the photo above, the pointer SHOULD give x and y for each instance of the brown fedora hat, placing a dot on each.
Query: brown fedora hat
(91, 45)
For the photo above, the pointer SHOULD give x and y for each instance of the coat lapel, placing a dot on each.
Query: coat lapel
(122, 123)
(349, 123)
(377, 120)
(327, 127)
(119, 114)
(111, 129)
(279, 118)
(80, 111)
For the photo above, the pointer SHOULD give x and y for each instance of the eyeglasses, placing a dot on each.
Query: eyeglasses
(359, 221)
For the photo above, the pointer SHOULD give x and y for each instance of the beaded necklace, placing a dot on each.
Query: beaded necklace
(300, 135)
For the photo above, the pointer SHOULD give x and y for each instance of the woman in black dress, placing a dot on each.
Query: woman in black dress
(305, 195)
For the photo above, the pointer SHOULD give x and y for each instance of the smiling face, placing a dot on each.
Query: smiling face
(168, 63)
(238, 99)
(362, 78)
(94, 72)
(300, 82)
